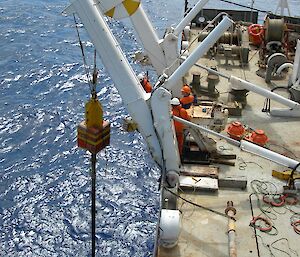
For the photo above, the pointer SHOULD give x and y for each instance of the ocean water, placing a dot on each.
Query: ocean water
(44, 177)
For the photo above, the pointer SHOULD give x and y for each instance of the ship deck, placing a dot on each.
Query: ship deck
(204, 233)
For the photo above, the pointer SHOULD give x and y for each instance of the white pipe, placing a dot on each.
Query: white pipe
(149, 39)
(199, 127)
(116, 64)
(284, 66)
(212, 71)
(269, 155)
(189, 17)
(209, 41)
(295, 113)
(242, 84)
(248, 147)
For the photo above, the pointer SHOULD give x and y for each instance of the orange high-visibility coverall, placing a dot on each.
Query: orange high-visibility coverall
(179, 127)
(146, 85)
(187, 101)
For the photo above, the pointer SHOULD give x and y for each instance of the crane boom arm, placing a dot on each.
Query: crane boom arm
(117, 65)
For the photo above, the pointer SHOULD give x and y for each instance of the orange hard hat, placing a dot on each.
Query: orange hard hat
(186, 89)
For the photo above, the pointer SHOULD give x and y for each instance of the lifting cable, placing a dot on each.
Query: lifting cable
(245, 6)
(100, 132)
(200, 206)
(86, 67)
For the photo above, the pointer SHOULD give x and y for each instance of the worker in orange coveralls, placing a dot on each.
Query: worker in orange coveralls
(145, 82)
(180, 112)
(188, 99)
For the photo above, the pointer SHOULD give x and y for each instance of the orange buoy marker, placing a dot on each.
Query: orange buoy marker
(236, 130)
(258, 137)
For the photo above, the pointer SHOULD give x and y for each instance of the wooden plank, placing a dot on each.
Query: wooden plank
(200, 171)
(198, 112)
(198, 183)
(233, 182)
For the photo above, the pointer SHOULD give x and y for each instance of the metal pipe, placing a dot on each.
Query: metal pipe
(243, 84)
(269, 155)
(149, 38)
(212, 71)
(199, 52)
(193, 125)
(204, 30)
(231, 212)
(247, 146)
(189, 17)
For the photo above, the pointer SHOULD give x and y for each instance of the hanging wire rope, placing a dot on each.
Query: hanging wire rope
(245, 6)
(95, 75)
(87, 72)
(200, 206)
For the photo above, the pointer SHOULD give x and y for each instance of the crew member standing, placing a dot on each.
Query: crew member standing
(180, 112)
(145, 82)
(188, 99)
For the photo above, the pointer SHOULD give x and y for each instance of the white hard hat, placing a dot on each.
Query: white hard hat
(140, 76)
(175, 101)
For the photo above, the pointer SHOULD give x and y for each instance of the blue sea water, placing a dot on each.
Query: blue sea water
(44, 177)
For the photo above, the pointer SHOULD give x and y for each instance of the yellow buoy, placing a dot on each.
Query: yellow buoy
(93, 113)
(93, 134)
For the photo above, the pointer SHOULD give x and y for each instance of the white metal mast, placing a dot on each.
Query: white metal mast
(282, 5)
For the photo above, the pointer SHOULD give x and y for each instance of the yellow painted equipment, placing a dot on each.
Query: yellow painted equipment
(93, 134)
(122, 10)
(284, 175)
(129, 125)
(93, 113)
